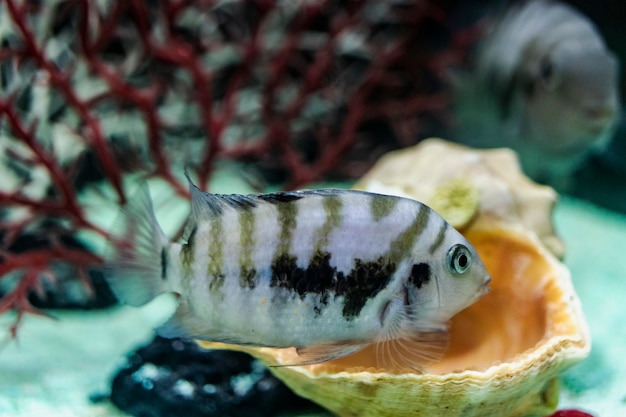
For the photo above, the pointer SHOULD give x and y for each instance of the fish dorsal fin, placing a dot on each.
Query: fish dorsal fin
(282, 196)
(310, 355)
(289, 196)
(206, 205)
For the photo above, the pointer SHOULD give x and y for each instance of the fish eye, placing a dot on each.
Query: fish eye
(459, 259)
(547, 74)
(546, 70)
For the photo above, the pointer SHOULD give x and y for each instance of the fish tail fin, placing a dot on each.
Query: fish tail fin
(136, 259)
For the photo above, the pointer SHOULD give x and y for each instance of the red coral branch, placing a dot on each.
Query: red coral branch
(62, 81)
(18, 298)
(182, 55)
(59, 178)
(31, 267)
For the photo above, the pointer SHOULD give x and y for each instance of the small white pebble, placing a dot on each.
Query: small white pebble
(147, 371)
(242, 384)
(184, 388)
(147, 384)
(209, 389)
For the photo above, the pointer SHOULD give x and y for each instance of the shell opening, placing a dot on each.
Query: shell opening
(524, 308)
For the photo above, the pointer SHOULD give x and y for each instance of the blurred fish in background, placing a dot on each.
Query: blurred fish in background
(603, 178)
(543, 83)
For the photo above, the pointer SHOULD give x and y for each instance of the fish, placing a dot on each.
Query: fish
(326, 271)
(544, 84)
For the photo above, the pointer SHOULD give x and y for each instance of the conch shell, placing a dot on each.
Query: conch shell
(453, 179)
(506, 350)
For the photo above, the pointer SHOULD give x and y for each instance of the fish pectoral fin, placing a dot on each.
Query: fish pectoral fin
(429, 346)
(412, 351)
(309, 355)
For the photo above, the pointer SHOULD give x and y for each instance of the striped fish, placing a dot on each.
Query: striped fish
(326, 271)
(545, 85)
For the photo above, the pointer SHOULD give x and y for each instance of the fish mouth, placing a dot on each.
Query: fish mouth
(485, 288)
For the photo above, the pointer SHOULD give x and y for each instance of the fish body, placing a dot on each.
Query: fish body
(326, 271)
(545, 85)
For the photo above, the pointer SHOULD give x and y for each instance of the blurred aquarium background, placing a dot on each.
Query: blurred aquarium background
(259, 95)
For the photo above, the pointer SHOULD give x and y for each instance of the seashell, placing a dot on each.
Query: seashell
(434, 167)
(504, 356)
(505, 351)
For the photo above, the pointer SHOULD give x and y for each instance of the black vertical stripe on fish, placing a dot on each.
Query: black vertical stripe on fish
(318, 278)
(215, 253)
(187, 250)
(247, 274)
(319, 274)
(163, 264)
(404, 242)
(333, 210)
(381, 207)
(216, 280)
(247, 277)
(362, 283)
(441, 234)
(287, 214)
(420, 275)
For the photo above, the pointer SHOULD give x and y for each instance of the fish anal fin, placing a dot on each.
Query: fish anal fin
(310, 355)
(183, 324)
(186, 324)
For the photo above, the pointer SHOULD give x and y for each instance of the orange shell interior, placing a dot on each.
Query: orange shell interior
(525, 307)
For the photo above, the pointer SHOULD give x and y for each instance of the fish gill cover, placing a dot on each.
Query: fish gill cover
(93, 92)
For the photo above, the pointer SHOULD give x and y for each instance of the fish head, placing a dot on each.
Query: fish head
(456, 279)
(573, 100)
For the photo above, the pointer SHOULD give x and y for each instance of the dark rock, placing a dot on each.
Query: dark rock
(172, 377)
(68, 289)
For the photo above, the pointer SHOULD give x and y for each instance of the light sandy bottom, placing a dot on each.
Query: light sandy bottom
(57, 364)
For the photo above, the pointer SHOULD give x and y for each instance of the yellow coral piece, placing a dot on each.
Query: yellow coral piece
(456, 201)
